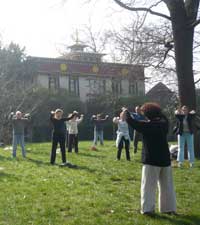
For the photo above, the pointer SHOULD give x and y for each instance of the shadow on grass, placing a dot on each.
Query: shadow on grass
(4, 158)
(90, 155)
(38, 152)
(75, 167)
(90, 170)
(178, 219)
(8, 177)
(38, 162)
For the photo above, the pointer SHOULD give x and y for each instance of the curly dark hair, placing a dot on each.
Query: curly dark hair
(151, 110)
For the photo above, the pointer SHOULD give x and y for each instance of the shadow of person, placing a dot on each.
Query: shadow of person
(91, 155)
(38, 162)
(179, 219)
(6, 176)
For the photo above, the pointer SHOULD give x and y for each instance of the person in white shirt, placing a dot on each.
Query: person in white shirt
(73, 131)
(122, 136)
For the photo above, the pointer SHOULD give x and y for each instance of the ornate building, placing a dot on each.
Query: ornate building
(84, 74)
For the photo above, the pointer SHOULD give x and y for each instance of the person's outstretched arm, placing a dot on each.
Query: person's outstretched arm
(68, 118)
(80, 119)
(52, 115)
(106, 118)
(116, 120)
(145, 126)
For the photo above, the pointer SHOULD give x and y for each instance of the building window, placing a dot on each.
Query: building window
(54, 82)
(116, 87)
(97, 86)
(102, 87)
(74, 85)
(133, 88)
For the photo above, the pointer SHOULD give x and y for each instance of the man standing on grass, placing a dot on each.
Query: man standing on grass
(137, 136)
(19, 122)
(98, 129)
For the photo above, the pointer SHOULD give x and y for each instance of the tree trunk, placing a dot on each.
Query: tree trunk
(183, 45)
(197, 143)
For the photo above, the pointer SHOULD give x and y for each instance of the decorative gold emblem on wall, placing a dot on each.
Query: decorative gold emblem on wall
(95, 69)
(124, 71)
(63, 67)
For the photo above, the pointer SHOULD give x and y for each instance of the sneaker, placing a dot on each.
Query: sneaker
(70, 165)
(173, 213)
(151, 213)
(191, 165)
(180, 165)
(63, 164)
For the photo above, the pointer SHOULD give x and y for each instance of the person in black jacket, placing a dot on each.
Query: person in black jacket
(156, 160)
(98, 123)
(184, 129)
(59, 134)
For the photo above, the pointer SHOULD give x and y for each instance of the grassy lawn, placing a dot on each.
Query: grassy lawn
(99, 191)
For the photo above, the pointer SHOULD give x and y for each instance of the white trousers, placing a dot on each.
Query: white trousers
(151, 177)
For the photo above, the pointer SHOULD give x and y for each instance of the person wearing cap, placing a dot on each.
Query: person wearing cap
(72, 126)
(19, 121)
(98, 123)
(58, 134)
(156, 169)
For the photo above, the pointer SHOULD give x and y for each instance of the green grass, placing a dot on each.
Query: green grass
(100, 191)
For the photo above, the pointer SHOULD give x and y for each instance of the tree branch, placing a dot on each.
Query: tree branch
(197, 81)
(195, 23)
(141, 9)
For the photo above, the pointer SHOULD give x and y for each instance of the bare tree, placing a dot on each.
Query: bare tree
(183, 19)
(183, 16)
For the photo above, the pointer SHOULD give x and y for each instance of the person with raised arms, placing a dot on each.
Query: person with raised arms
(156, 161)
(59, 135)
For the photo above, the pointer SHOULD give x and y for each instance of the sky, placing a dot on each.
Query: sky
(44, 27)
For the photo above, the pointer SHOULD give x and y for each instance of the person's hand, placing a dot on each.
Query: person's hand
(127, 114)
(27, 115)
(52, 112)
(82, 115)
(93, 116)
(124, 108)
(178, 111)
(107, 116)
(192, 112)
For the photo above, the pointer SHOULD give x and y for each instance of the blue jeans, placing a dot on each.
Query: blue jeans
(98, 134)
(18, 139)
(189, 139)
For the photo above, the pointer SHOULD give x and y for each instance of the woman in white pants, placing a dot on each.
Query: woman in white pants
(156, 168)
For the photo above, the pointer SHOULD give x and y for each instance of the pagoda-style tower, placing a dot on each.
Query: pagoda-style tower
(77, 53)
